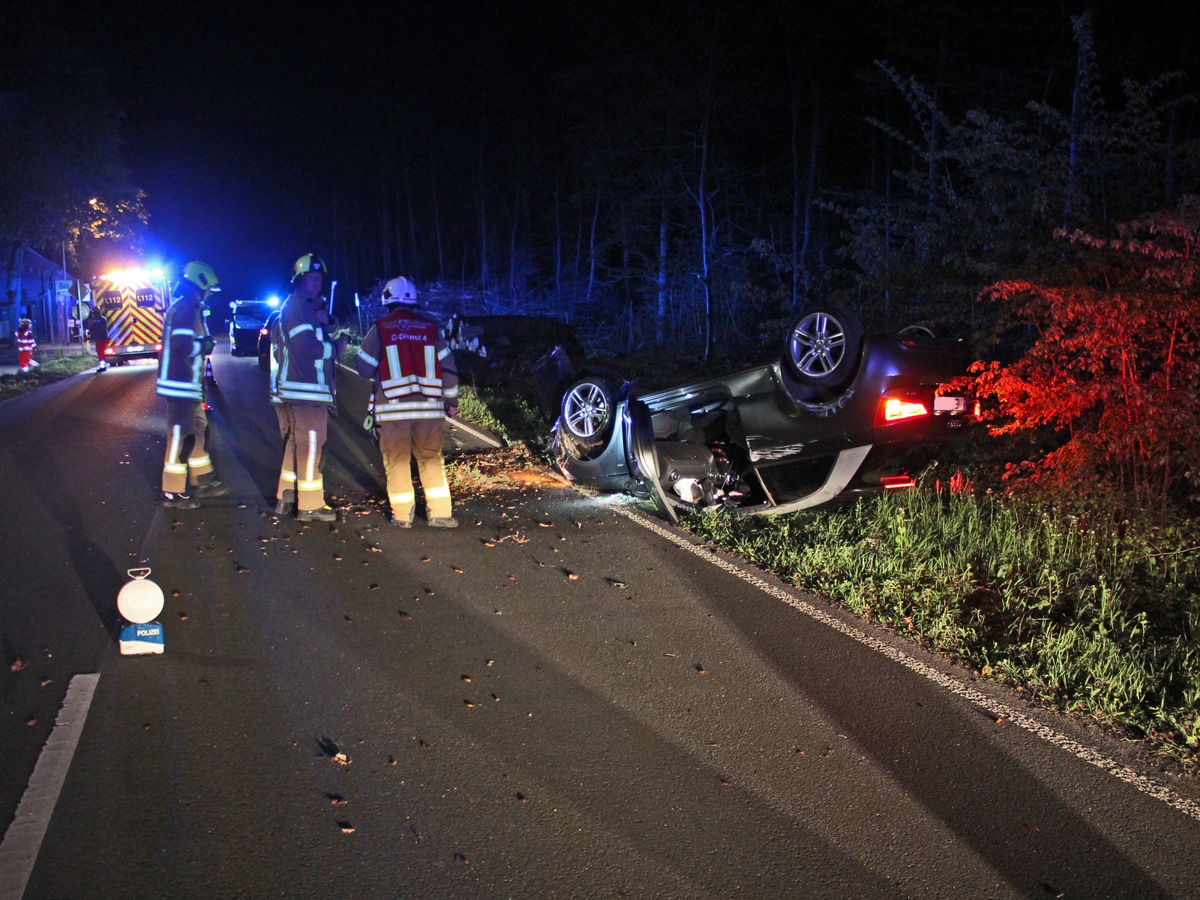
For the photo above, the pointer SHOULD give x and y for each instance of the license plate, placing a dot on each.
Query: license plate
(949, 404)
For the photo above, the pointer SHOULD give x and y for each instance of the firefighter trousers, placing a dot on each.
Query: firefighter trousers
(400, 443)
(186, 419)
(304, 454)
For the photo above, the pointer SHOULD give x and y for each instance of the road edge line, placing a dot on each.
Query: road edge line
(23, 840)
(997, 709)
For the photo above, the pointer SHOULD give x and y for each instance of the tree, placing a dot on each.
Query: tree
(62, 179)
(976, 198)
(1113, 369)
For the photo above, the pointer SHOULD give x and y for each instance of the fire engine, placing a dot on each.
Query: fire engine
(133, 301)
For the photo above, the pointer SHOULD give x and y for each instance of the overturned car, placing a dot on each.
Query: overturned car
(840, 415)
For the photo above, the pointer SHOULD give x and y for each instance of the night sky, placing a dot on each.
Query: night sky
(242, 120)
(239, 118)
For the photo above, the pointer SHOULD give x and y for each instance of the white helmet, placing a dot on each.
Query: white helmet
(400, 290)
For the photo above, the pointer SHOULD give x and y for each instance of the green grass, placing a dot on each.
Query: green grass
(53, 368)
(511, 418)
(1074, 606)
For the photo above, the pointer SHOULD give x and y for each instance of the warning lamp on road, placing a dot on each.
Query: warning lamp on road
(139, 603)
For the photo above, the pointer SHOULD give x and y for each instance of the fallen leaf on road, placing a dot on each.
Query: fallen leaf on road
(31, 721)
(18, 664)
(341, 759)
(182, 616)
(457, 570)
(466, 678)
(346, 827)
(337, 799)
(571, 576)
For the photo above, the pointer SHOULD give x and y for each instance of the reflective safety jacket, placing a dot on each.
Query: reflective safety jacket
(413, 369)
(25, 340)
(307, 355)
(184, 340)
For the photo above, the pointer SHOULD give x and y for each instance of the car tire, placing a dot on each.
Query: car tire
(822, 347)
(587, 409)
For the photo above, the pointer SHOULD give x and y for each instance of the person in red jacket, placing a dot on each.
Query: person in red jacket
(25, 345)
(416, 387)
(97, 330)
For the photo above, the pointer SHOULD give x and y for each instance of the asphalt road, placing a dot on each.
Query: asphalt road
(562, 698)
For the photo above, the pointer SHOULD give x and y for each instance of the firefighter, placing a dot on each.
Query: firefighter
(97, 330)
(309, 346)
(25, 344)
(415, 387)
(185, 345)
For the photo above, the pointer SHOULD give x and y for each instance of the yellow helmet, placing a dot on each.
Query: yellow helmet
(309, 262)
(201, 275)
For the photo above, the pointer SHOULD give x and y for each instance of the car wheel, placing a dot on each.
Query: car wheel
(822, 346)
(587, 409)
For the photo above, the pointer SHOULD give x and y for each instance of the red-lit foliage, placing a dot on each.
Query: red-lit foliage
(1114, 363)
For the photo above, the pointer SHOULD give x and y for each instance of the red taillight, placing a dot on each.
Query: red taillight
(108, 351)
(896, 407)
(897, 482)
(158, 347)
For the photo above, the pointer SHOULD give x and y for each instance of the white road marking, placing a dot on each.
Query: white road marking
(997, 709)
(23, 840)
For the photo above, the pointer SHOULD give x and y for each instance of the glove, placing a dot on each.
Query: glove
(206, 346)
(451, 409)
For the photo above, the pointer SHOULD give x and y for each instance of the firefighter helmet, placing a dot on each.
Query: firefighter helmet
(400, 290)
(309, 262)
(201, 275)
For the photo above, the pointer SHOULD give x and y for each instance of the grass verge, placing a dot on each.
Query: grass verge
(55, 368)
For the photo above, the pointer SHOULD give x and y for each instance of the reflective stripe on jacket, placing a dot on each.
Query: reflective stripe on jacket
(307, 355)
(25, 340)
(181, 363)
(413, 368)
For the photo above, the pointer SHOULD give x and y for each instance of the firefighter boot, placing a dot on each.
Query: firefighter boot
(179, 501)
(210, 490)
(285, 504)
(321, 514)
